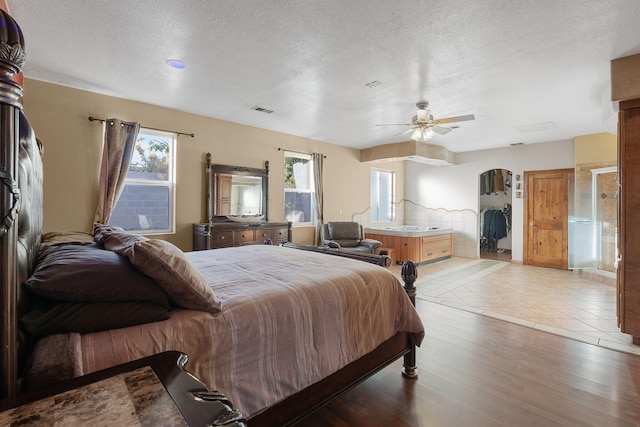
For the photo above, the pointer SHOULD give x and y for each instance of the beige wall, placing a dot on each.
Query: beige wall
(60, 114)
(596, 148)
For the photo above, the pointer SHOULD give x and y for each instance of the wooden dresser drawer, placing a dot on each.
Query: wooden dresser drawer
(264, 234)
(221, 238)
(243, 236)
(280, 235)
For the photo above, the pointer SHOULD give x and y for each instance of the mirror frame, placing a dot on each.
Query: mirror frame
(212, 170)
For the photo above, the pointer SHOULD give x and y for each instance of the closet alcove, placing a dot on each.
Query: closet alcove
(496, 189)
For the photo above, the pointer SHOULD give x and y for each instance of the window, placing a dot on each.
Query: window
(146, 204)
(383, 184)
(299, 193)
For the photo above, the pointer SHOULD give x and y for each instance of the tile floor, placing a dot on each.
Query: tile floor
(560, 302)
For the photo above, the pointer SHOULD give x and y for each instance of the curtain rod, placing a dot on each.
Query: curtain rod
(295, 151)
(93, 119)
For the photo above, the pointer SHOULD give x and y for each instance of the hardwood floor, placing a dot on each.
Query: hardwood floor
(479, 371)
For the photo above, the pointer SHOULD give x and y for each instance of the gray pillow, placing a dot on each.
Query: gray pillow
(87, 273)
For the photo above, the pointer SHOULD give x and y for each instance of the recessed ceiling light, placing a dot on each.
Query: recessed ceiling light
(175, 63)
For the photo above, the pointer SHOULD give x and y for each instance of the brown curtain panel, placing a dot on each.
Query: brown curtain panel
(318, 172)
(119, 142)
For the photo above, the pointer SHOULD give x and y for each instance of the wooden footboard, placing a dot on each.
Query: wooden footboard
(296, 407)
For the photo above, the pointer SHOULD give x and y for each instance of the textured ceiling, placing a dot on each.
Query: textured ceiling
(512, 63)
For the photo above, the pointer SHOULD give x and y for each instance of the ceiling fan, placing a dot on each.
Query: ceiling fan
(424, 126)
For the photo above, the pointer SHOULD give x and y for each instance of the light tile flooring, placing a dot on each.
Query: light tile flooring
(555, 301)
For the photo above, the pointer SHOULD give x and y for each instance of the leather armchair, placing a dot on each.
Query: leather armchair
(348, 237)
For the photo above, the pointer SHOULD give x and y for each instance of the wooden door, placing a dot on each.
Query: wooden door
(628, 277)
(546, 222)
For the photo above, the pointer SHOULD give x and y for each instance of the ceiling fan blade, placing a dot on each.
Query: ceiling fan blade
(440, 130)
(405, 131)
(396, 124)
(456, 119)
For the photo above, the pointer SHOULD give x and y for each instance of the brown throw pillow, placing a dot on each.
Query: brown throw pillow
(171, 269)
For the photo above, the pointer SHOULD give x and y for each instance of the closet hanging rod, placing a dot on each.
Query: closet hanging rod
(192, 135)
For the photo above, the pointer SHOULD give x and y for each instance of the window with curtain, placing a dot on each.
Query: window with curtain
(382, 194)
(147, 202)
(299, 194)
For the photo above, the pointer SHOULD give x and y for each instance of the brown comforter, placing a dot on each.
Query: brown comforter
(288, 319)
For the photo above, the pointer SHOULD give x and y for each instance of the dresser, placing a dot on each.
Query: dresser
(225, 234)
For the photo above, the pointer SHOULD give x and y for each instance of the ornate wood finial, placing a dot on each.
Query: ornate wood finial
(12, 57)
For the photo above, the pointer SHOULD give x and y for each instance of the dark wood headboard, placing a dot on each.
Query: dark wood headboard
(20, 204)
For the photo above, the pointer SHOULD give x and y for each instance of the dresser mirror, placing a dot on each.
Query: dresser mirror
(236, 191)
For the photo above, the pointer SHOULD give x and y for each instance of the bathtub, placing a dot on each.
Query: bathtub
(419, 244)
(408, 230)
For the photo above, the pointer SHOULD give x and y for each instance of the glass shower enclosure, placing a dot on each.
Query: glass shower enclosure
(593, 220)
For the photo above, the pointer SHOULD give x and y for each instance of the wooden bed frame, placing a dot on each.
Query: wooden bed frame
(21, 198)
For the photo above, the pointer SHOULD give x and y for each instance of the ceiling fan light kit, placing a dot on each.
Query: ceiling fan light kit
(422, 134)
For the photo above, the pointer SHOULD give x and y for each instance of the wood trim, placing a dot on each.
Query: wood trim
(627, 105)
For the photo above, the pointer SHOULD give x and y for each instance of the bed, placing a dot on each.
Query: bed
(280, 331)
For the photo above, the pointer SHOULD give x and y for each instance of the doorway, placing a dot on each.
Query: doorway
(495, 197)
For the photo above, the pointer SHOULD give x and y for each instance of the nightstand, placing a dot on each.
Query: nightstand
(152, 391)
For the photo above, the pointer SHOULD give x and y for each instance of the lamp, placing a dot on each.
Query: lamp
(422, 133)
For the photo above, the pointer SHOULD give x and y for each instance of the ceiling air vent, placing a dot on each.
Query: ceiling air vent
(516, 143)
(262, 110)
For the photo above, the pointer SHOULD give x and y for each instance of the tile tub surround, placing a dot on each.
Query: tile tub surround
(463, 223)
(408, 230)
